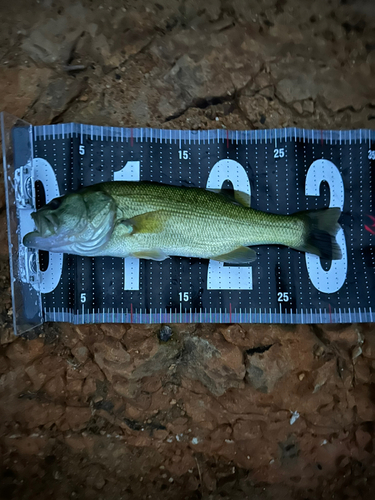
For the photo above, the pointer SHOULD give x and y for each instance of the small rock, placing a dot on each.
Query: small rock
(363, 438)
(7, 335)
(35, 414)
(116, 331)
(298, 107)
(74, 387)
(77, 417)
(89, 388)
(235, 334)
(54, 40)
(344, 462)
(362, 400)
(55, 98)
(151, 384)
(19, 88)
(24, 352)
(368, 348)
(112, 358)
(217, 364)
(165, 333)
(247, 429)
(362, 371)
(296, 88)
(268, 92)
(327, 372)
(308, 106)
(344, 337)
(27, 445)
(95, 477)
(55, 386)
(264, 370)
(80, 352)
(37, 377)
(126, 388)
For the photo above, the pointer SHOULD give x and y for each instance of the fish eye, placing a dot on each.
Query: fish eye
(55, 203)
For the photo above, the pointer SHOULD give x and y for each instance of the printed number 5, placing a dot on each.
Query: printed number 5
(83, 298)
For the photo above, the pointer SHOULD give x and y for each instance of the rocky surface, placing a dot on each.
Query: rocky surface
(219, 411)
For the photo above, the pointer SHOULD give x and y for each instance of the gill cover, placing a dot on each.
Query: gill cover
(80, 223)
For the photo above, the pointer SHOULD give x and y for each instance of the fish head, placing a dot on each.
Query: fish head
(79, 223)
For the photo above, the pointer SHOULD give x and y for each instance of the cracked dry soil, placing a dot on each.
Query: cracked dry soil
(217, 412)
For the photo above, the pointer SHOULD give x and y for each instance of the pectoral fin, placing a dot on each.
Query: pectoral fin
(241, 255)
(150, 222)
(151, 255)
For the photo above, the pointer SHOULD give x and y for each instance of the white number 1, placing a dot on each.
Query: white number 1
(131, 172)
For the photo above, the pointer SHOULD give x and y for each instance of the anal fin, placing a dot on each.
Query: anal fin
(151, 255)
(241, 255)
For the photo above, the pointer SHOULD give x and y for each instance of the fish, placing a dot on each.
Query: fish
(148, 220)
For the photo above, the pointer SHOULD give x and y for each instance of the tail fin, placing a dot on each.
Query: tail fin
(320, 230)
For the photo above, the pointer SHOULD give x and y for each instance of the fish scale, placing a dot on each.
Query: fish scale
(199, 224)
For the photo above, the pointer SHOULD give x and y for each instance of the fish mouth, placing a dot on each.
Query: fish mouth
(45, 235)
(46, 224)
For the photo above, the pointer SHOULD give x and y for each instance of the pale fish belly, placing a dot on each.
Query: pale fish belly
(206, 236)
(184, 236)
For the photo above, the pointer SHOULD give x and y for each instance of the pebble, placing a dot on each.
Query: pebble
(165, 333)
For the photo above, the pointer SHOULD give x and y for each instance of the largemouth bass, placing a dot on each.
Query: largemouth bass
(155, 221)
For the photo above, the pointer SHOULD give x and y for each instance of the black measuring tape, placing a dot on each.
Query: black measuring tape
(284, 171)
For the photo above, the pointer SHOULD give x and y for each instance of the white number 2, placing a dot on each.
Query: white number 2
(229, 277)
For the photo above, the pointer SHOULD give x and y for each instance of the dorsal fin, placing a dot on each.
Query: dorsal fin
(237, 197)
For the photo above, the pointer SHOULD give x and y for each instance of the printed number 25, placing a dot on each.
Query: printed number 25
(279, 153)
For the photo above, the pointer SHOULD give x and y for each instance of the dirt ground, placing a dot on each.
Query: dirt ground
(216, 412)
